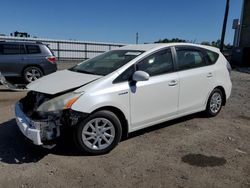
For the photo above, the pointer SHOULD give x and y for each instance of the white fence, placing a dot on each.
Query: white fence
(71, 49)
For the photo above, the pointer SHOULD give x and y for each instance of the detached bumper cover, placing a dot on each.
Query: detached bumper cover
(14, 87)
(25, 126)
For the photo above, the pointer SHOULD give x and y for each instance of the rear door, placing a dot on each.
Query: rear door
(34, 55)
(11, 59)
(196, 79)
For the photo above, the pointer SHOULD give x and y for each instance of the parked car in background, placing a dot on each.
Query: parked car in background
(124, 90)
(27, 60)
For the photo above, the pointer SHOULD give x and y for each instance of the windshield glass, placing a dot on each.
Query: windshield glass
(107, 62)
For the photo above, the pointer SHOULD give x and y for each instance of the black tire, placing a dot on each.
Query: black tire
(78, 131)
(28, 78)
(210, 112)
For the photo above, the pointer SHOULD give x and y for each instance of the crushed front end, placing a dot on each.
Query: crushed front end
(43, 127)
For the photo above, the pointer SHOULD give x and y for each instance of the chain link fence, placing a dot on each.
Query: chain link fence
(70, 49)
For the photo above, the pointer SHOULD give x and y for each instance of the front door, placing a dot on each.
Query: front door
(156, 99)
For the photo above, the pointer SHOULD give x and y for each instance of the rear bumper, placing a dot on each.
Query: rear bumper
(228, 88)
(26, 126)
(49, 68)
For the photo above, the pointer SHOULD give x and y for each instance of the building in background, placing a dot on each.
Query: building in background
(19, 34)
(241, 52)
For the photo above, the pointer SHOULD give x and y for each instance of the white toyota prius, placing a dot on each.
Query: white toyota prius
(124, 90)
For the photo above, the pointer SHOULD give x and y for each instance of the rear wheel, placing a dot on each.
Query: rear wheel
(31, 74)
(99, 133)
(214, 103)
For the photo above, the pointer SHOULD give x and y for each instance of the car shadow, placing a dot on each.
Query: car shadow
(165, 124)
(16, 149)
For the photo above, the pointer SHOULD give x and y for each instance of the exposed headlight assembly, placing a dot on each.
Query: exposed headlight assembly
(59, 103)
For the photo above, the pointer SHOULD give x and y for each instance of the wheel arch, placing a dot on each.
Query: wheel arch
(223, 93)
(121, 117)
(32, 65)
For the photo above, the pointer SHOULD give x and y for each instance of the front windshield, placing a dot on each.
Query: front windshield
(107, 62)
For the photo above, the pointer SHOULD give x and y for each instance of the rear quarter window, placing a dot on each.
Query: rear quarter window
(33, 49)
(212, 56)
(49, 50)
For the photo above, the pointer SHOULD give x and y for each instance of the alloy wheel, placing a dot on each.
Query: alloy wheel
(32, 75)
(215, 102)
(98, 134)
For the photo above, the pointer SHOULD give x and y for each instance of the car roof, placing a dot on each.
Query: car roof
(147, 47)
(19, 42)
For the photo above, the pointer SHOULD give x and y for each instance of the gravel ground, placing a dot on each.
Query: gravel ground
(188, 152)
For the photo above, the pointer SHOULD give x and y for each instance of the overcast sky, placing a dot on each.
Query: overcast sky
(119, 20)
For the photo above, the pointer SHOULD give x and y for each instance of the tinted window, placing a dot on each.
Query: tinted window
(212, 56)
(11, 49)
(190, 58)
(22, 49)
(33, 49)
(158, 63)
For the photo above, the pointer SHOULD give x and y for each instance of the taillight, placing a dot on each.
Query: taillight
(51, 59)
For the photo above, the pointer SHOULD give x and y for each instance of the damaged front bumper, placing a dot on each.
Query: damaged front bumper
(25, 126)
(41, 130)
(37, 131)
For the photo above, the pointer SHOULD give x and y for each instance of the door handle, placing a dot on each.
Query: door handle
(173, 83)
(209, 75)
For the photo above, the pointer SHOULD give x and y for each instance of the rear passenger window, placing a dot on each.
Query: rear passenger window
(212, 56)
(22, 49)
(158, 63)
(11, 49)
(33, 49)
(1, 49)
(190, 58)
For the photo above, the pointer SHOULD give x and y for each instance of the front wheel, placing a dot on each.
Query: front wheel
(214, 103)
(99, 133)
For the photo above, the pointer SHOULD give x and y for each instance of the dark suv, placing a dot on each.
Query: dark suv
(27, 60)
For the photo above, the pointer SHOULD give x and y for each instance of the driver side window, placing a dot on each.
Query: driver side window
(126, 75)
(157, 63)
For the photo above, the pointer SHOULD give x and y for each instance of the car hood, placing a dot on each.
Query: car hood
(61, 81)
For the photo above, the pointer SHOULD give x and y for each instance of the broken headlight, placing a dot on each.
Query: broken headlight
(59, 103)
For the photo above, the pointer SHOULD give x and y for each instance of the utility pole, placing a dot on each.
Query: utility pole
(137, 38)
(224, 26)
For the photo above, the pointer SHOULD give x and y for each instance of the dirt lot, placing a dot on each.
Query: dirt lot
(189, 152)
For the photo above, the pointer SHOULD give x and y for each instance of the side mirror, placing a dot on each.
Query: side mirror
(140, 76)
